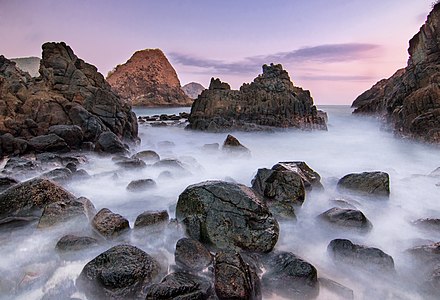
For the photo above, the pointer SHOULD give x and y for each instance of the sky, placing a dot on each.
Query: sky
(335, 48)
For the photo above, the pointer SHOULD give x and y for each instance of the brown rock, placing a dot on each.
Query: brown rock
(109, 224)
(271, 100)
(148, 79)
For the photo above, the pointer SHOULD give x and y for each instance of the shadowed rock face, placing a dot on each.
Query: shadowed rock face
(271, 100)
(69, 91)
(148, 79)
(409, 101)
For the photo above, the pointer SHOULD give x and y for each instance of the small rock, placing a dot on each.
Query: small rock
(428, 224)
(232, 145)
(351, 218)
(149, 218)
(108, 142)
(192, 255)
(141, 185)
(147, 156)
(75, 243)
(131, 163)
(63, 211)
(370, 183)
(109, 224)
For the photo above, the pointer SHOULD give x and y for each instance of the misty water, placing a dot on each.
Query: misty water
(30, 266)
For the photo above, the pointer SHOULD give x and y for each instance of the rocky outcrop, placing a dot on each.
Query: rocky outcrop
(68, 91)
(271, 100)
(409, 101)
(193, 89)
(148, 79)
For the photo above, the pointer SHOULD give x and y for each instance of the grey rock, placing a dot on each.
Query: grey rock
(348, 218)
(151, 218)
(370, 183)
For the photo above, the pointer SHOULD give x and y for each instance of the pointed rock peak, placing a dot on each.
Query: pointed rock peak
(217, 84)
(275, 71)
(59, 49)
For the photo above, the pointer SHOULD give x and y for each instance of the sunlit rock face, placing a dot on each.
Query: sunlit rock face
(271, 100)
(409, 101)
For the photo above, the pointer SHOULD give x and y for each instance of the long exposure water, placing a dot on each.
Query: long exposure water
(29, 265)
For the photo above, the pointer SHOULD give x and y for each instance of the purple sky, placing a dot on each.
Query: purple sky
(335, 48)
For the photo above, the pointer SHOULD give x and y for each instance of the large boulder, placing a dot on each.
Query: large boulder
(68, 92)
(119, 273)
(48, 143)
(370, 183)
(271, 100)
(227, 215)
(148, 79)
(108, 142)
(409, 101)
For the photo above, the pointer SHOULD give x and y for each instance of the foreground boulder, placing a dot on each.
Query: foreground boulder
(271, 100)
(227, 215)
(370, 183)
(119, 273)
(68, 92)
(234, 279)
(31, 197)
(409, 101)
(372, 259)
(110, 224)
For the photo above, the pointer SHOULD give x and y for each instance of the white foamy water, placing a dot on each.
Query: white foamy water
(29, 263)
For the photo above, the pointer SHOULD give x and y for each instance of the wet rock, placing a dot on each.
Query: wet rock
(75, 243)
(16, 164)
(151, 218)
(192, 255)
(48, 143)
(12, 145)
(141, 185)
(63, 211)
(119, 273)
(428, 224)
(30, 197)
(342, 291)
(310, 178)
(131, 163)
(7, 182)
(147, 156)
(182, 286)
(58, 175)
(232, 145)
(374, 259)
(71, 134)
(289, 276)
(371, 183)
(282, 190)
(234, 279)
(227, 215)
(109, 224)
(427, 254)
(349, 218)
(108, 142)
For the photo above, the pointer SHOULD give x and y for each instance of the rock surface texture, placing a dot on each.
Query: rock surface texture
(409, 101)
(148, 79)
(68, 91)
(271, 100)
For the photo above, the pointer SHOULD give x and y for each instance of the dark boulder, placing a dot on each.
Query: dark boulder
(75, 243)
(109, 224)
(370, 183)
(192, 255)
(234, 279)
(348, 218)
(48, 143)
(71, 134)
(12, 145)
(141, 185)
(119, 273)
(148, 156)
(151, 218)
(290, 276)
(372, 259)
(181, 286)
(227, 215)
(310, 178)
(108, 142)
(7, 182)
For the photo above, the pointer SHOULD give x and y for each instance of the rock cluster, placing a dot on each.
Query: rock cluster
(69, 105)
(148, 79)
(409, 101)
(271, 100)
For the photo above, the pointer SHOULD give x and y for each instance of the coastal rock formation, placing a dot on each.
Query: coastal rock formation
(148, 79)
(271, 100)
(193, 89)
(68, 91)
(409, 101)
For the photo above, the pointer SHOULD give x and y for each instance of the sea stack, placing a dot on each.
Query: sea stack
(409, 101)
(270, 101)
(148, 79)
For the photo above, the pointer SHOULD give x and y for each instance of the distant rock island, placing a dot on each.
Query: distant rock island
(271, 100)
(70, 105)
(409, 101)
(28, 64)
(193, 89)
(148, 79)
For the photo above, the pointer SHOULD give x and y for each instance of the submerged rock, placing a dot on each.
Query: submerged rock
(147, 156)
(231, 144)
(370, 183)
(75, 243)
(109, 224)
(119, 273)
(151, 218)
(141, 185)
(271, 100)
(349, 218)
(227, 215)
(192, 255)
(368, 258)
